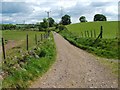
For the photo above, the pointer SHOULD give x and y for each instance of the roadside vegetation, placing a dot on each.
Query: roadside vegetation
(22, 66)
(21, 70)
(107, 48)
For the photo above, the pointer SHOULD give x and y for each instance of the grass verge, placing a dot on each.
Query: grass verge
(20, 71)
(107, 48)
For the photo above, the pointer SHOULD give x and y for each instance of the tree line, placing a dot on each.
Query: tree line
(50, 22)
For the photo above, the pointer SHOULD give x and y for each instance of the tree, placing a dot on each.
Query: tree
(82, 19)
(8, 26)
(51, 22)
(43, 25)
(65, 20)
(100, 17)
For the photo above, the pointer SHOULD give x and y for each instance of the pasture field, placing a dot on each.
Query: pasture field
(106, 47)
(20, 35)
(110, 28)
(16, 40)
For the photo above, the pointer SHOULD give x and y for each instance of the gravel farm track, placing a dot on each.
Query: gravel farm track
(75, 68)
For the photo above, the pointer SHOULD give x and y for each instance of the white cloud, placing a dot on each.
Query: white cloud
(75, 8)
(112, 9)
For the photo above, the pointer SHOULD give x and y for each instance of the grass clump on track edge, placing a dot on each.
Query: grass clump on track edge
(28, 67)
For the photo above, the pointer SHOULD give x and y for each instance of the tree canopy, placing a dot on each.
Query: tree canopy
(51, 22)
(82, 19)
(43, 25)
(65, 20)
(100, 17)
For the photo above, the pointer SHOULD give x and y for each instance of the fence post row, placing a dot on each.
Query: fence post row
(3, 49)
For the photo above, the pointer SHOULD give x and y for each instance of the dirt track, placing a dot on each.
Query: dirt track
(75, 68)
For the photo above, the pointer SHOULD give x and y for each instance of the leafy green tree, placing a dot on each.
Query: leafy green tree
(43, 25)
(8, 26)
(65, 20)
(56, 25)
(100, 17)
(61, 27)
(51, 22)
(82, 19)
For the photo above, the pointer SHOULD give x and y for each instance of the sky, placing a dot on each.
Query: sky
(33, 11)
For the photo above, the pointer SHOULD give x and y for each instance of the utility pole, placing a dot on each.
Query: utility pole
(48, 14)
(23, 24)
(61, 11)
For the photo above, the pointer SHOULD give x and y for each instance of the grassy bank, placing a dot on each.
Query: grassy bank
(107, 48)
(20, 71)
(110, 28)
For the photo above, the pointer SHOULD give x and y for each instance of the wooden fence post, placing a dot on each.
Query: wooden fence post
(81, 34)
(94, 34)
(88, 33)
(41, 37)
(3, 49)
(27, 41)
(85, 34)
(91, 34)
(100, 35)
(101, 32)
(36, 39)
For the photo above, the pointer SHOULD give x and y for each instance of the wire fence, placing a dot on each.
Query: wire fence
(42, 37)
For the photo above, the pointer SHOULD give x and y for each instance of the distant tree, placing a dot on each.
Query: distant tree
(100, 17)
(56, 25)
(8, 26)
(61, 28)
(82, 19)
(65, 20)
(43, 25)
(51, 22)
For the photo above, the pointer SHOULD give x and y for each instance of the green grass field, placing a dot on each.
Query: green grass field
(110, 28)
(19, 37)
